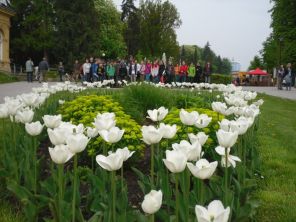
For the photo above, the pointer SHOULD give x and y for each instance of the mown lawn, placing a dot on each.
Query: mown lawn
(277, 137)
(6, 78)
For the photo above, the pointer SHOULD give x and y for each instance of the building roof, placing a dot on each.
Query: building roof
(6, 7)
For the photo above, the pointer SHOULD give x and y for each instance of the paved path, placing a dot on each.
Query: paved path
(16, 88)
(273, 91)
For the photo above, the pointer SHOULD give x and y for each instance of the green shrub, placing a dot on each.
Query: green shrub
(221, 79)
(4, 78)
(84, 109)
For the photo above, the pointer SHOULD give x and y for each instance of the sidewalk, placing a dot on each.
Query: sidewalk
(16, 88)
(273, 91)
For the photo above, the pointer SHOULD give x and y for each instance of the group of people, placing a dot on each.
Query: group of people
(96, 69)
(157, 71)
(285, 76)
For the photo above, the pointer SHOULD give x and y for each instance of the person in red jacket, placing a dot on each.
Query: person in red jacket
(183, 72)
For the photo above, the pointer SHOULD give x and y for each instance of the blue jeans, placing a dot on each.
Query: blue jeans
(147, 77)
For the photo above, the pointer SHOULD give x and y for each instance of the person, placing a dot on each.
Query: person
(142, 71)
(177, 73)
(288, 77)
(290, 70)
(61, 71)
(76, 70)
(29, 70)
(148, 68)
(36, 73)
(191, 72)
(208, 72)
(93, 69)
(161, 71)
(86, 69)
(154, 71)
(280, 76)
(170, 72)
(133, 71)
(122, 70)
(183, 72)
(43, 68)
(110, 70)
(198, 73)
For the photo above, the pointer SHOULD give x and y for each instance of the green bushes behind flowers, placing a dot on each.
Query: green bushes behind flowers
(84, 109)
(183, 131)
(221, 79)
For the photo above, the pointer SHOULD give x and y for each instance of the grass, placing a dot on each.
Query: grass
(278, 154)
(7, 214)
(4, 78)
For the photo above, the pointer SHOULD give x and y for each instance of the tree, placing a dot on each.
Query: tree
(208, 54)
(256, 63)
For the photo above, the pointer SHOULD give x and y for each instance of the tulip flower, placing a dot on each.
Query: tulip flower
(157, 114)
(152, 202)
(61, 102)
(191, 151)
(112, 162)
(168, 131)
(125, 153)
(77, 143)
(34, 128)
(105, 121)
(203, 121)
(60, 154)
(57, 136)
(201, 137)
(187, 118)
(225, 125)
(52, 121)
(13, 105)
(25, 116)
(92, 132)
(151, 135)
(29, 99)
(202, 169)
(113, 135)
(214, 213)
(3, 111)
(219, 106)
(175, 161)
(240, 126)
(230, 161)
(226, 139)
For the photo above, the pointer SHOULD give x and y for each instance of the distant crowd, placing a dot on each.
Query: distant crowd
(285, 76)
(96, 69)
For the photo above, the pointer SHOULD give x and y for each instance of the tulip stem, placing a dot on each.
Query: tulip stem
(187, 178)
(177, 196)
(121, 172)
(152, 166)
(74, 187)
(60, 179)
(113, 196)
(226, 177)
(35, 165)
(151, 218)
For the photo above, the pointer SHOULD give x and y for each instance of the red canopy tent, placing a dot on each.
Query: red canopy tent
(258, 72)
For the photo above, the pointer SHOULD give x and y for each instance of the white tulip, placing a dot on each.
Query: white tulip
(29, 99)
(3, 111)
(175, 161)
(34, 128)
(125, 153)
(105, 121)
(203, 121)
(24, 116)
(225, 125)
(242, 126)
(157, 114)
(152, 202)
(231, 160)
(200, 137)
(226, 139)
(191, 151)
(187, 118)
(219, 106)
(151, 135)
(77, 143)
(112, 135)
(202, 169)
(214, 213)
(168, 131)
(112, 162)
(60, 154)
(57, 136)
(92, 132)
(61, 102)
(52, 121)
(13, 105)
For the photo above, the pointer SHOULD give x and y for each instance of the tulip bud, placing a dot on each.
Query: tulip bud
(77, 143)
(34, 129)
(152, 202)
(60, 154)
(175, 161)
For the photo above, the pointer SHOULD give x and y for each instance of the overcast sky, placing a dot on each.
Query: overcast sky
(234, 28)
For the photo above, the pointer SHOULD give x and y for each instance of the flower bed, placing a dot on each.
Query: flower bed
(201, 162)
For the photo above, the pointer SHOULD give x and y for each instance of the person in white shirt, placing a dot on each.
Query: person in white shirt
(86, 69)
